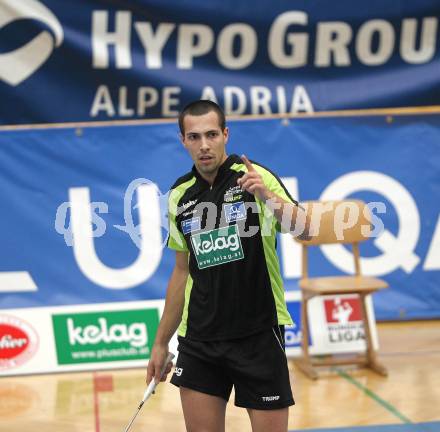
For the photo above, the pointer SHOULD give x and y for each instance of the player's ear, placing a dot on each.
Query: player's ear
(226, 134)
(182, 140)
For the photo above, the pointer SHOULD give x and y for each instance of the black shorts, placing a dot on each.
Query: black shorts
(255, 365)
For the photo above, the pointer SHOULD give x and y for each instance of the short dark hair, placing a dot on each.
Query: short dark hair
(201, 107)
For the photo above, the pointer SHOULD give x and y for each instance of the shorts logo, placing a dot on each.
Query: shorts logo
(218, 246)
(270, 398)
(190, 225)
(235, 211)
(178, 371)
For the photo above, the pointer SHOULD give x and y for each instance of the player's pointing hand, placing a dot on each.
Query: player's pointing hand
(248, 164)
(252, 181)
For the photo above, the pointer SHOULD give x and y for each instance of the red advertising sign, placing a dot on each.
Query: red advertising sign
(18, 342)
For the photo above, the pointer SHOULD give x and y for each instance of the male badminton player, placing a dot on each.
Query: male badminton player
(225, 295)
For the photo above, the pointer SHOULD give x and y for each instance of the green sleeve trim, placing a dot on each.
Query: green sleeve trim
(273, 184)
(268, 229)
(238, 167)
(181, 331)
(176, 240)
(273, 264)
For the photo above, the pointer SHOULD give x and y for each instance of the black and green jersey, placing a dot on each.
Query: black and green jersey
(234, 287)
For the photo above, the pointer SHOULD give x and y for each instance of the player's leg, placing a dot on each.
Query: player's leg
(269, 420)
(204, 386)
(202, 412)
(260, 374)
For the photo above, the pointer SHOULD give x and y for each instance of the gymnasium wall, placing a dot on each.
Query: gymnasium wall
(344, 103)
(95, 60)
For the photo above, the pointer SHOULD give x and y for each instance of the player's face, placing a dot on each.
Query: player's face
(205, 142)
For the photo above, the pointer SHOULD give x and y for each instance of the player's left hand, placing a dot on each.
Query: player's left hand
(252, 181)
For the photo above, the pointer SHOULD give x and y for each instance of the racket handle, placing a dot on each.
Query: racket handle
(152, 386)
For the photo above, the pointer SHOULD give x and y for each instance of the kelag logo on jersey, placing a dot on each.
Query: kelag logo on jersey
(235, 211)
(218, 246)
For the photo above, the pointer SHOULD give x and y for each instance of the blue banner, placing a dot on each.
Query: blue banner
(70, 60)
(83, 209)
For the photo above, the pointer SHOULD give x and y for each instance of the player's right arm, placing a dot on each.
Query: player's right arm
(171, 317)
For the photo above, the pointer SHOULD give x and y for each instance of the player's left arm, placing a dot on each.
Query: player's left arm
(290, 216)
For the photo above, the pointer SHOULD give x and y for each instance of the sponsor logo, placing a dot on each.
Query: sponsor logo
(189, 213)
(105, 336)
(178, 371)
(18, 65)
(185, 206)
(190, 225)
(18, 342)
(218, 246)
(233, 190)
(342, 310)
(270, 398)
(344, 319)
(235, 211)
(233, 194)
(232, 198)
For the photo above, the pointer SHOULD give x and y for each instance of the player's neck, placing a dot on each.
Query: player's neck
(210, 177)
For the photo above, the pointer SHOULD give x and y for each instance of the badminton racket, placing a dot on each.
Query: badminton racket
(149, 391)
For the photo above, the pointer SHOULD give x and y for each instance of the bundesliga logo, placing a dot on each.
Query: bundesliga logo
(344, 319)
